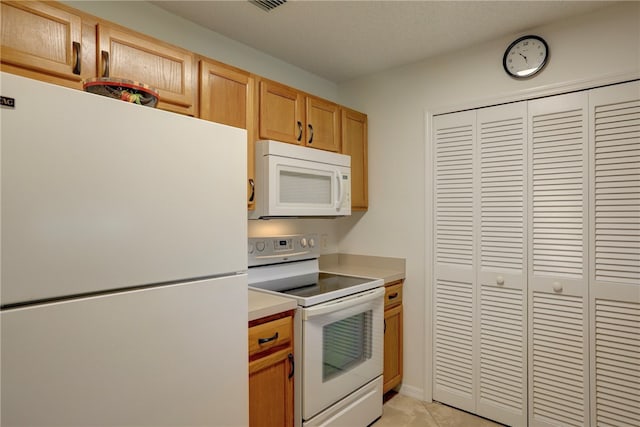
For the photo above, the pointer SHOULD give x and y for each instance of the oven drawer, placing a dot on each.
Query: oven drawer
(393, 294)
(271, 334)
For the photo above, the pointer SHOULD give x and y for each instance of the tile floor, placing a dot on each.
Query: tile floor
(403, 411)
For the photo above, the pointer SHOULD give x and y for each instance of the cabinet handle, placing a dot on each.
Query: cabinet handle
(393, 295)
(310, 136)
(78, 56)
(293, 366)
(299, 130)
(266, 340)
(105, 63)
(385, 326)
(253, 189)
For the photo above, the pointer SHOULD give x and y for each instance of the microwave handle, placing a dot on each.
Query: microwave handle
(342, 303)
(341, 190)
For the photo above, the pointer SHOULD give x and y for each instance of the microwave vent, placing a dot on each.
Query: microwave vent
(268, 5)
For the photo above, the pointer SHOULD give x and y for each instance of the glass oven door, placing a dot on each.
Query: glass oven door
(342, 348)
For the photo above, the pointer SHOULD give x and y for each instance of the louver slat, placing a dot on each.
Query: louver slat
(558, 359)
(501, 193)
(453, 337)
(557, 186)
(454, 195)
(502, 346)
(615, 255)
(617, 192)
(617, 363)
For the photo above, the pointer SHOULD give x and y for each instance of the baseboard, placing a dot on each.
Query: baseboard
(411, 391)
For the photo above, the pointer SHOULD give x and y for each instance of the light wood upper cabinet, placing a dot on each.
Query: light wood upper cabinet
(289, 115)
(129, 55)
(323, 124)
(354, 144)
(42, 41)
(227, 96)
(281, 113)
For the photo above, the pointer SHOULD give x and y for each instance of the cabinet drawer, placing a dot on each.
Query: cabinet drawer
(393, 294)
(269, 335)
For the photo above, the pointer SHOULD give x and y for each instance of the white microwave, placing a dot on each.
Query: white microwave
(295, 181)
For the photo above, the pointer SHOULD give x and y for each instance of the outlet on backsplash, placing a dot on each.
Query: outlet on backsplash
(323, 241)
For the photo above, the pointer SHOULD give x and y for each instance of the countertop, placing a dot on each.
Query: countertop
(263, 304)
(388, 269)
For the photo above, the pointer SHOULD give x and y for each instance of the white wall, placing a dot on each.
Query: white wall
(599, 46)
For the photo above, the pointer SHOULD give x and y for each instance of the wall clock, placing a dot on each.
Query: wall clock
(525, 57)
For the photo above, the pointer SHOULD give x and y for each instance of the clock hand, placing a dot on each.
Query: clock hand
(525, 58)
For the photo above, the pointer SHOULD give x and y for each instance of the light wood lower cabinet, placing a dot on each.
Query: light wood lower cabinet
(392, 336)
(271, 371)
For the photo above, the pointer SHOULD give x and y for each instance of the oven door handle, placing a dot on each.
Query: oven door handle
(342, 303)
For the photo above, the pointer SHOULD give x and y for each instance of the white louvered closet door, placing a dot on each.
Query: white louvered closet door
(501, 364)
(558, 277)
(454, 274)
(615, 254)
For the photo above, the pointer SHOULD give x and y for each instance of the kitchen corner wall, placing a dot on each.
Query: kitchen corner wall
(593, 47)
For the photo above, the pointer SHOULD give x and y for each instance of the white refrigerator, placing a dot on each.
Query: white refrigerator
(123, 277)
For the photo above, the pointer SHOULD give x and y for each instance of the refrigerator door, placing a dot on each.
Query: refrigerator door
(101, 194)
(165, 356)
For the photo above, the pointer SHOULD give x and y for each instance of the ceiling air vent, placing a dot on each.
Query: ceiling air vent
(268, 5)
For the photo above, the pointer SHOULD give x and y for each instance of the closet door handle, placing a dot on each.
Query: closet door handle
(105, 63)
(77, 53)
(311, 134)
(299, 131)
(293, 366)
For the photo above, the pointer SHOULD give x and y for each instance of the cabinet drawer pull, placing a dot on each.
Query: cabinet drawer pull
(78, 58)
(393, 295)
(293, 366)
(253, 189)
(266, 340)
(311, 134)
(299, 131)
(105, 63)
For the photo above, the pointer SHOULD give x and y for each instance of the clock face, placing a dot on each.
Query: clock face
(525, 56)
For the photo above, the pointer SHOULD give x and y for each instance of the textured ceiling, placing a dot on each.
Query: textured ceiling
(342, 40)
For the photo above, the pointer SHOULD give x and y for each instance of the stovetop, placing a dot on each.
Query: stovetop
(288, 266)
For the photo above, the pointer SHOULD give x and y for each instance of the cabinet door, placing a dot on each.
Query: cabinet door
(354, 144)
(271, 390)
(129, 55)
(614, 293)
(227, 96)
(454, 253)
(323, 124)
(392, 347)
(281, 113)
(502, 278)
(558, 337)
(38, 36)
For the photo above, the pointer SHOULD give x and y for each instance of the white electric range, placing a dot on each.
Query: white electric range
(338, 331)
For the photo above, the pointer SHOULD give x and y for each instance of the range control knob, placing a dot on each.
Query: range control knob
(260, 246)
(312, 242)
(303, 242)
(250, 248)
